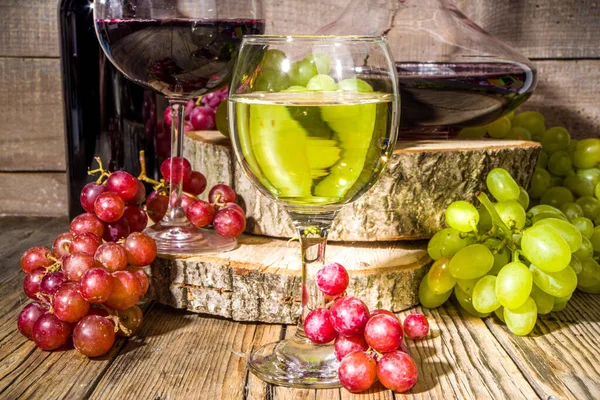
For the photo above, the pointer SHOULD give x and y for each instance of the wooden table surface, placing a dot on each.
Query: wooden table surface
(180, 355)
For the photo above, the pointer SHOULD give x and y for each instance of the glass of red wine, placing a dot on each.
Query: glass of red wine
(183, 49)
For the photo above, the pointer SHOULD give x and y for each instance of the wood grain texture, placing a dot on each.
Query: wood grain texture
(33, 194)
(32, 116)
(260, 280)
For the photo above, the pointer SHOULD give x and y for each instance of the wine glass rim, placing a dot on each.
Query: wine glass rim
(313, 38)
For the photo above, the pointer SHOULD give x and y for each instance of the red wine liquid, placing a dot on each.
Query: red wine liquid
(439, 99)
(177, 57)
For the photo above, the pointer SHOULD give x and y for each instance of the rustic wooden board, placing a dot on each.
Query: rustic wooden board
(407, 203)
(32, 116)
(33, 194)
(260, 280)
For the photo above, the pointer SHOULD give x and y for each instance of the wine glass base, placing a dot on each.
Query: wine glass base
(188, 240)
(296, 363)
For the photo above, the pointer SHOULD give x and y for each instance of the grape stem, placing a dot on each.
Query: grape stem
(144, 177)
(113, 315)
(515, 255)
(496, 220)
(103, 173)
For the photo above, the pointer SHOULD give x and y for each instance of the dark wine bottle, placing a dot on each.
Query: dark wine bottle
(106, 115)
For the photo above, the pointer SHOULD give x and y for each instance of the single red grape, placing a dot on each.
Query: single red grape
(76, 264)
(235, 206)
(397, 371)
(318, 327)
(51, 282)
(35, 257)
(416, 326)
(86, 242)
(140, 249)
(28, 316)
(94, 336)
(189, 106)
(382, 311)
(132, 319)
(87, 223)
(202, 119)
(112, 256)
(229, 222)
(200, 214)
(142, 277)
(346, 345)
(50, 333)
(212, 99)
(126, 291)
(109, 207)
(96, 285)
(186, 201)
(383, 333)
(113, 231)
(349, 316)
(156, 205)
(136, 218)
(88, 196)
(176, 170)
(31, 284)
(68, 304)
(357, 371)
(140, 195)
(62, 244)
(196, 184)
(221, 194)
(332, 279)
(122, 183)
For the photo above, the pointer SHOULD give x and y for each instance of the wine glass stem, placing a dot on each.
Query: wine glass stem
(175, 216)
(312, 233)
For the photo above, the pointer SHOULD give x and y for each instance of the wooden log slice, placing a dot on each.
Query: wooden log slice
(407, 203)
(260, 280)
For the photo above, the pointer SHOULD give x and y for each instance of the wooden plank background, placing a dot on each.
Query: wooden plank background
(561, 36)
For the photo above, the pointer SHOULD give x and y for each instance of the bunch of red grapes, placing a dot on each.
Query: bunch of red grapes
(220, 210)
(88, 285)
(369, 345)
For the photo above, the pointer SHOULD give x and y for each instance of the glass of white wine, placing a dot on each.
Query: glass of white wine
(313, 121)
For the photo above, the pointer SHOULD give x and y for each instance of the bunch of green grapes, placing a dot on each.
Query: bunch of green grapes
(503, 259)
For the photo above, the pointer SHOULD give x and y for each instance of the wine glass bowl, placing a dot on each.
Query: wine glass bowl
(313, 122)
(183, 50)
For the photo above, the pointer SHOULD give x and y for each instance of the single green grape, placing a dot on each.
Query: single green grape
(321, 83)
(591, 174)
(565, 229)
(462, 216)
(559, 306)
(543, 301)
(521, 320)
(572, 211)
(563, 299)
(485, 220)
(590, 273)
(501, 185)
(542, 161)
(321, 61)
(472, 132)
(590, 206)
(501, 258)
(594, 289)
(467, 285)
(543, 211)
(575, 264)
(530, 120)
(523, 198)
(446, 242)
(557, 196)
(518, 133)
(271, 80)
(595, 239)
(545, 248)
(301, 71)
(500, 314)
(484, 295)
(587, 153)
(558, 284)
(273, 59)
(511, 212)
(586, 250)
(498, 129)
(579, 185)
(471, 262)
(466, 302)
(545, 215)
(541, 180)
(555, 139)
(439, 278)
(428, 298)
(585, 226)
(560, 163)
(222, 118)
(354, 85)
(513, 284)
